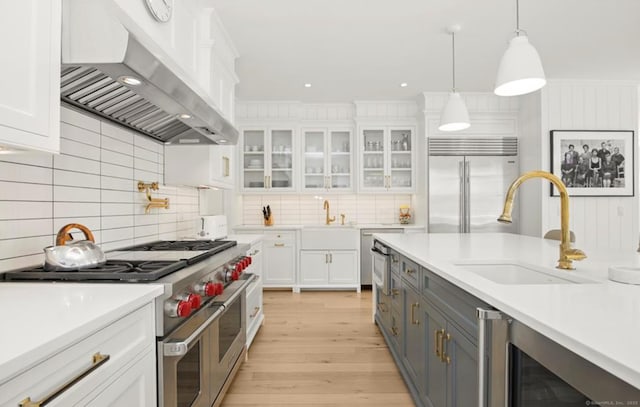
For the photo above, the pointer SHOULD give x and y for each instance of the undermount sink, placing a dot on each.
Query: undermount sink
(515, 273)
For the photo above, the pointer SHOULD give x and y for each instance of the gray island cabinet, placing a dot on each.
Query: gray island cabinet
(431, 329)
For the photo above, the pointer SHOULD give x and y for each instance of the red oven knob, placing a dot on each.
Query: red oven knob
(219, 288)
(183, 309)
(209, 289)
(249, 260)
(177, 308)
(195, 300)
(238, 269)
(235, 275)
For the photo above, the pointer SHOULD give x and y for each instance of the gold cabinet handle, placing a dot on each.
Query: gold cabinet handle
(278, 244)
(382, 307)
(414, 321)
(394, 292)
(326, 258)
(97, 360)
(394, 259)
(330, 257)
(225, 166)
(255, 312)
(409, 271)
(437, 334)
(394, 331)
(444, 357)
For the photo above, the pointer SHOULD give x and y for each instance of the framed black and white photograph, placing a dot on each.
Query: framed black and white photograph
(593, 162)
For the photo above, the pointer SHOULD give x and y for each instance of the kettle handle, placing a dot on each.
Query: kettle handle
(64, 236)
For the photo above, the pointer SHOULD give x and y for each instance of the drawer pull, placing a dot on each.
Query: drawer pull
(394, 292)
(437, 334)
(444, 357)
(97, 360)
(255, 312)
(278, 244)
(409, 271)
(382, 307)
(394, 331)
(414, 321)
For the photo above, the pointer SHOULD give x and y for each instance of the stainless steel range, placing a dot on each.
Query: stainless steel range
(200, 319)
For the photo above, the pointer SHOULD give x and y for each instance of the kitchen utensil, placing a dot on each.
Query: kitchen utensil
(75, 255)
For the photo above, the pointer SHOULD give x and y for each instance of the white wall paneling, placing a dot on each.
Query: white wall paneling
(93, 182)
(603, 222)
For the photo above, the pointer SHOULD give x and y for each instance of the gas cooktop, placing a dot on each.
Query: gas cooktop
(112, 270)
(140, 263)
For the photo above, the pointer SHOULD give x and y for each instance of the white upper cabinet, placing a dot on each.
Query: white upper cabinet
(267, 159)
(387, 159)
(327, 160)
(199, 166)
(30, 86)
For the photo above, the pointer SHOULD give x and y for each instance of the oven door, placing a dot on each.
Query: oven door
(231, 336)
(527, 369)
(184, 361)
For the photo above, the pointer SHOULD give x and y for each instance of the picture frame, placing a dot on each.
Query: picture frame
(593, 162)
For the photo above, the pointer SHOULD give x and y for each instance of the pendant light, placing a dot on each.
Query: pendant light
(520, 71)
(454, 116)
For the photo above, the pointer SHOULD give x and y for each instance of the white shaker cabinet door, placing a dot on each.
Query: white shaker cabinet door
(314, 266)
(343, 267)
(30, 33)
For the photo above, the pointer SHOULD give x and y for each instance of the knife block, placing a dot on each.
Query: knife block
(269, 221)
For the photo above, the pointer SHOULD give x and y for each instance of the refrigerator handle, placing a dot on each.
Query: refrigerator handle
(467, 195)
(461, 203)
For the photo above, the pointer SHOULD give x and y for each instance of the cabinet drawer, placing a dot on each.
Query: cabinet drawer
(411, 272)
(122, 341)
(457, 304)
(254, 302)
(279, 238)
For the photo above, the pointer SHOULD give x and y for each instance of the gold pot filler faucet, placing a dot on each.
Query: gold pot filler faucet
(567, 254)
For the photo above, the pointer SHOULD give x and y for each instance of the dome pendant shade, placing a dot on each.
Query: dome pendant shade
(520, 71)
(454, 115)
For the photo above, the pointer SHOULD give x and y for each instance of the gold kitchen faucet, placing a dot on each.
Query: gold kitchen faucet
(328, 220)
(567, 253)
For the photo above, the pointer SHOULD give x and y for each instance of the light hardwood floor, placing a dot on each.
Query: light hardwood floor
(318, 349)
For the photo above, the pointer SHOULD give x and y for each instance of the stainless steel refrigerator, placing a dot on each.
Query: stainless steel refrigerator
(468, 181)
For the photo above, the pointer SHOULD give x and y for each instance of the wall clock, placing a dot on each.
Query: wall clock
(161, 10)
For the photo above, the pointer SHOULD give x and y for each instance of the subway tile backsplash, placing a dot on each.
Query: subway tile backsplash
(93, 182)
(307, 209)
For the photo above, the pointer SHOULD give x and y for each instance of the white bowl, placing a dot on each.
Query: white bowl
(625, 274)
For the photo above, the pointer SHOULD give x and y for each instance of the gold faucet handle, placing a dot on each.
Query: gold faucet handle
(575, 254)
(332, 219)
(342, 216)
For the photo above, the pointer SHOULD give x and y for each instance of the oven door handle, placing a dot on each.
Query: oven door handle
(378, 252)
(181, 347)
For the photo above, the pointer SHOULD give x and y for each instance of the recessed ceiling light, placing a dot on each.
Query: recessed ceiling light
(130, 80)
(307, 85)
(183, 116)
(222, 140)
(403, 85)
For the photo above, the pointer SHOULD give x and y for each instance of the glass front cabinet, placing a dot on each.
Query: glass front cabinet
(268, 159)
(387, 159)
(327, 159)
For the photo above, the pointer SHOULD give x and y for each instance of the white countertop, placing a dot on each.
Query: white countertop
(600, 321)
(40, 319)
(246, 238)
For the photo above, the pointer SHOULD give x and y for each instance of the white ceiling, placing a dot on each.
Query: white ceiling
(363, 49)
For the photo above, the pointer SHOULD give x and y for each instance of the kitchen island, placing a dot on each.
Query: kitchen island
(595, 318)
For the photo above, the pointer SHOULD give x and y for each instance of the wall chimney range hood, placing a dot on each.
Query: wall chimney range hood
(109, 72)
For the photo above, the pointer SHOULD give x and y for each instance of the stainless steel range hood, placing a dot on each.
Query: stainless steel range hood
(161, 106)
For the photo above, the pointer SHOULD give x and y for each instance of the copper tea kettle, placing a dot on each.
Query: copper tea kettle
(76, 255)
